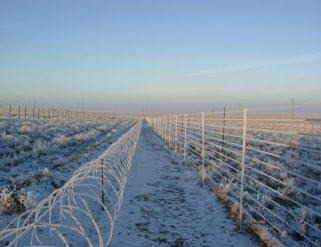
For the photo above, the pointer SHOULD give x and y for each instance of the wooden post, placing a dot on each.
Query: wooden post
(25, 113)
(9, 111)
(243, 164)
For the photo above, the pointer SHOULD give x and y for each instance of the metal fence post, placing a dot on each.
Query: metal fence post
(176, 134)
(243, 163)
(185, 137)
(162, 127)
(152, 124)
(203, 151)
(155, 126)
(102, 183)
(223, 137)
(169, 131)
(166, 129)
(19, 112)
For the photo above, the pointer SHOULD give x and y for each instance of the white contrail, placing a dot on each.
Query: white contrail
(307, 58)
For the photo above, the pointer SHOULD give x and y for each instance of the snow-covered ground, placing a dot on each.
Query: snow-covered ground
(165, 206)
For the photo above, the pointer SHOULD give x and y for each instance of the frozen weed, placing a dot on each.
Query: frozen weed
(13, 200)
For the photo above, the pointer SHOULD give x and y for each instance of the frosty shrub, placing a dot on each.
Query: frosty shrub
(60, 140)
(24, 129)
(39, 148)
(13, 200)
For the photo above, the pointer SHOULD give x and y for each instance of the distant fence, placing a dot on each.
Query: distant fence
(267, 166)
(83, 211)
(23, 113)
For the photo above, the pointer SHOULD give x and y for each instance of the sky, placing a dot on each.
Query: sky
(159, 54)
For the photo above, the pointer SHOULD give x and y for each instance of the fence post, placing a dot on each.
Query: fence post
(154, 125)
(25, 113)
(203, 151)
(223, 137)
(176, 134)
(165, 130)
(19, 112)
(102, 183)
(9, 111)
(162, 128)
(169, 130)
(185, 137)
(121, 152)
(243, 163)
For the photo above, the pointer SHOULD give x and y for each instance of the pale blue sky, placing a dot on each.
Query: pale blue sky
(119, 54)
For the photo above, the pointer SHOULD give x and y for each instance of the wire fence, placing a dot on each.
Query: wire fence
(23, 113)
(84, 210)
(267, 166)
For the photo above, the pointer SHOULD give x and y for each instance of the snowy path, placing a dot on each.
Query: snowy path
(164, 206)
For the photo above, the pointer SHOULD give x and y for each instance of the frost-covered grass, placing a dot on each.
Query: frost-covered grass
(80, 213)
(38, 157)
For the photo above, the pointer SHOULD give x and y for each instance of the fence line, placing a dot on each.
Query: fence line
(23, 112)
(266, 165)
(84, 210)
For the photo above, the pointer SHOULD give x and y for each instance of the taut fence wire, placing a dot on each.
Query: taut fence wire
(266, 165)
